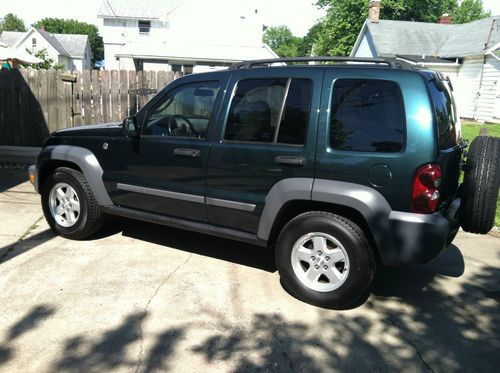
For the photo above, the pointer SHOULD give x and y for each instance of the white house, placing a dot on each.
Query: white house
(468, 53)
(180, 35)
(70, 50)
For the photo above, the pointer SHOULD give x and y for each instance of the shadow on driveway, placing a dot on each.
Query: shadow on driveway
(219, 248)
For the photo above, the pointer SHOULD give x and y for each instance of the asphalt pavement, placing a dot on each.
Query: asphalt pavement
(140, 297)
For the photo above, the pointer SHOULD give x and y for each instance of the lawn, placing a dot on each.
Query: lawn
(469, 132)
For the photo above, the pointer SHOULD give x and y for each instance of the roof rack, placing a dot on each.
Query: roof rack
(393, 63)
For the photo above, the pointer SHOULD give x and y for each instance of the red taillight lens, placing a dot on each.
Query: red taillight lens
(425, 194)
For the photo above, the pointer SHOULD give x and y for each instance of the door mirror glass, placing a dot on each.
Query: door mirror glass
(130, 126)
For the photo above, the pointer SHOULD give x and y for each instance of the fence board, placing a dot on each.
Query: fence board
(96, 97)
(132, 97)
(77, 100)
(115, 96)
(86, 98)
(52, 99)
(106, 102)
(123, 94)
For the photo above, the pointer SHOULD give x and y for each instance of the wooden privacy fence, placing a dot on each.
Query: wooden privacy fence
(34, 103)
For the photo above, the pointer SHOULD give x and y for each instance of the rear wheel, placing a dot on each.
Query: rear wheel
(325, 259)
(69, 205)
(480, 187)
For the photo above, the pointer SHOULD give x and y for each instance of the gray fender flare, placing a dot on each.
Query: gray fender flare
(367, 201)
(87, 162)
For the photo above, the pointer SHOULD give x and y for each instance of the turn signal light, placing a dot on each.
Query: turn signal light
(425, 193)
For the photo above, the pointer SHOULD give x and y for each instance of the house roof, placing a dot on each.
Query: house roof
(196, 53)
(11, 38)
(145, 9)
(417, 38)
(69, 45)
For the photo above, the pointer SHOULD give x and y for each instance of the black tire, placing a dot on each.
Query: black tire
(360, 255)
(90, 217)
(480, 187)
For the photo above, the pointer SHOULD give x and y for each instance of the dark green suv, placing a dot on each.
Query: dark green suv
(337, 166)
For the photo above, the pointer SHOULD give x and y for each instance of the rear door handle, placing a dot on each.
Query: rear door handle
(187, 152)
(289, 160)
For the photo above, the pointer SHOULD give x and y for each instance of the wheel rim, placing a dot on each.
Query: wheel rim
(64, 205)
(320, 262)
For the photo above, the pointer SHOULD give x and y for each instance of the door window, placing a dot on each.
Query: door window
(183, 112)
(270, 111)
(366, 115)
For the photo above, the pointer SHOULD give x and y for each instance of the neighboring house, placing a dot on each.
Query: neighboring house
(70, 50)
(468, 53)
(180, 35)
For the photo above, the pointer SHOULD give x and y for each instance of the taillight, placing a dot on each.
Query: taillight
(425, 194)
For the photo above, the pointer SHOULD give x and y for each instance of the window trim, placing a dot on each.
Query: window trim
(331, 149)
(282, 110)
(155, 104)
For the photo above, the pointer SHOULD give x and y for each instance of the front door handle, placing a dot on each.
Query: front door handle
(186, 152)
(290, 160)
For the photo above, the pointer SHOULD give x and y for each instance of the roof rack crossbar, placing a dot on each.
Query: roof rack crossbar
(390, 62)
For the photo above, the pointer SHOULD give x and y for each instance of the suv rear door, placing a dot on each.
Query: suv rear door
(267, 133)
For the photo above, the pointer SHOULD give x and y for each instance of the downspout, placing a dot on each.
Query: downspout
(482, 70)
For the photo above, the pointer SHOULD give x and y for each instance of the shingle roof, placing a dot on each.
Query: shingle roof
(416, 38)
(11, 37)
(74, 44)
(54, 42)
(69, 45)
(145, 9)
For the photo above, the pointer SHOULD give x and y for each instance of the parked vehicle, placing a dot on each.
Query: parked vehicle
(337, 166)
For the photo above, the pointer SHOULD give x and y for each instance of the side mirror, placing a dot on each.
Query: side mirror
(131, 127)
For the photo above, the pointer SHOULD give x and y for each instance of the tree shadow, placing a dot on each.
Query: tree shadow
(20, 247)
(197, 243)
(28, 322)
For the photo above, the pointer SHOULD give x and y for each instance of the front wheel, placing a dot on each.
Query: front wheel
(325, 260)
(69, 205)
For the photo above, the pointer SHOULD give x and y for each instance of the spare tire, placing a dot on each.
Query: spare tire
(479, 191)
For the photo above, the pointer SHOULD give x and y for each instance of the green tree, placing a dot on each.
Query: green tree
(282, 41)
(468, 11)
(72, 26)
(11, 22)
(48, 63)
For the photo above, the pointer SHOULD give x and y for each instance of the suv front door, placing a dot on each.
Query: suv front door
(163, 171)
(267, 134)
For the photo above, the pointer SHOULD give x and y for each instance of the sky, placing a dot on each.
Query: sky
(298, 15)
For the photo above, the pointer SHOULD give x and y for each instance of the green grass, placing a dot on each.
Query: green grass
(469, 132)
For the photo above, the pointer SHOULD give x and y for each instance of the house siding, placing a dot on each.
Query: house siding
(477, 98)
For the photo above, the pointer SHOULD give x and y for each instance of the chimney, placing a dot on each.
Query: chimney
(42, 28)
(374, 11)
(445, 19)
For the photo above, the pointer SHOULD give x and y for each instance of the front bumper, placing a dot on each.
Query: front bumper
(33, 176)
(420, 238)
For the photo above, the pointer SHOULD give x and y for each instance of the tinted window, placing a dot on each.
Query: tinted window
(270, 110)
(293, 124)
(366, 115)
(446, 118)
(183, 112)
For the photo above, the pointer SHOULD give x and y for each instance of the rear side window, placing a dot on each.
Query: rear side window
(270, 111)
(446, 117)
(366, 115)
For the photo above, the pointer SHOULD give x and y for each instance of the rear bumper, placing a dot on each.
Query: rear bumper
(419, 238)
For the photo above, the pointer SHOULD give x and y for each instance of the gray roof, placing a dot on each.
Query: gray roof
(69, 45)
(74, 44)
(416, 38)
(51, 38)
(145, 9)
(11, 37)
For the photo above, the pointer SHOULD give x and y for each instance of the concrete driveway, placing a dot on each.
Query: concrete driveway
(141, 297)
